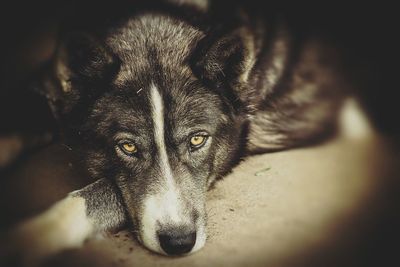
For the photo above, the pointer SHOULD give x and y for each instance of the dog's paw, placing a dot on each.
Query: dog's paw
(64, 225)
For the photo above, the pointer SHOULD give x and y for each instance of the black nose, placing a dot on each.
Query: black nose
(176, 241)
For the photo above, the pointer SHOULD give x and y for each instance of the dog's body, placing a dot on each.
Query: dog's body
(167, 99)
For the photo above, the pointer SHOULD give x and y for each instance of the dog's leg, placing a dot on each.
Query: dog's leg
(67, 224)
(103, 205)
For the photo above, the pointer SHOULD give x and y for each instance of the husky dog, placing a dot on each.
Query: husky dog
(164, 99)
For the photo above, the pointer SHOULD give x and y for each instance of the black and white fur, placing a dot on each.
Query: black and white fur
(159, 74)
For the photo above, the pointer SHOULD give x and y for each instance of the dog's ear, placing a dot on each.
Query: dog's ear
(83, 57)
(224, 61)
(83, 69)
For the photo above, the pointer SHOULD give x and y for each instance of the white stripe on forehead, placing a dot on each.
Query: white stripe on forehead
(157, 108)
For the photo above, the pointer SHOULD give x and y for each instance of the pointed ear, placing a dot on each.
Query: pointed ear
(82, 58)
(83, 69)
(225, 61)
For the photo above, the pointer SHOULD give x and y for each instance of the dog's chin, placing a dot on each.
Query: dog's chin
(150, 241)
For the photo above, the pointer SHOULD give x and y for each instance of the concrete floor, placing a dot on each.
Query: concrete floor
(335, 204)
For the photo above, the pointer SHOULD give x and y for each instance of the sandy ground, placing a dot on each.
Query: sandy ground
(335, 204)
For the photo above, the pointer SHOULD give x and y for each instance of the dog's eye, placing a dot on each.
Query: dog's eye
(128, 147)
(198, 140)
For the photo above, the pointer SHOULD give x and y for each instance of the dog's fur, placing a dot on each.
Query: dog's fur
(159, 74)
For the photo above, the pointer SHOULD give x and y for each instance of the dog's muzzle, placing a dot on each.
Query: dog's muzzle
(171, 226)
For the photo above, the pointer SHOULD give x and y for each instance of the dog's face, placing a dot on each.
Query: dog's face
(163, 146)
(144, 118)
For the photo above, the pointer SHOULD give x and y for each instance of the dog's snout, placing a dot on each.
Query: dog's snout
(176, 241)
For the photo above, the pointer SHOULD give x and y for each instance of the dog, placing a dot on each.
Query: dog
(163, 99)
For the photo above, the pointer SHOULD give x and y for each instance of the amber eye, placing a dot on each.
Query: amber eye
(198, 140)
(128, 147)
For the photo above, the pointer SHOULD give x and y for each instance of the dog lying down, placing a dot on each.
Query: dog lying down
(162, 102)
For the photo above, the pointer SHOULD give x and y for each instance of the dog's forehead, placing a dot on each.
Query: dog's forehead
(121, 111)
(147, 40)
(196, 105)
(184, 105)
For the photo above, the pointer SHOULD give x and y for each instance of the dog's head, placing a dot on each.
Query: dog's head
(154, 106)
